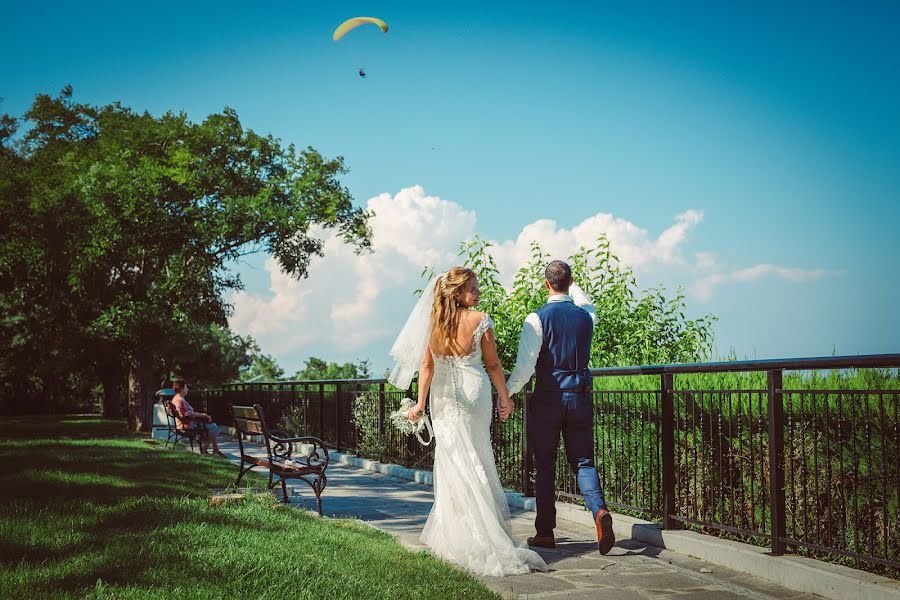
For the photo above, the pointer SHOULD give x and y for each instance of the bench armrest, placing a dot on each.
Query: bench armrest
(284, 447)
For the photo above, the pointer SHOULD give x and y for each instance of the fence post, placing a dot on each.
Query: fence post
(322, 412)
(667, 382)
(409, 448)
(527, 458)
(274, 392)
(776, 462)
(338, 403)
(294, 401)
(380, 410)
(306, 430)
(354, 426)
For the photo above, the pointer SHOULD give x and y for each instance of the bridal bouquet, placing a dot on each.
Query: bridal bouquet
(401, 421)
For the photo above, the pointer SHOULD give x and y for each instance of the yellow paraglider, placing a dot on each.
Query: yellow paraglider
(356, 22)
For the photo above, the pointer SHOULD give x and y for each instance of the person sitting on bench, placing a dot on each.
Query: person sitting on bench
(187, 416)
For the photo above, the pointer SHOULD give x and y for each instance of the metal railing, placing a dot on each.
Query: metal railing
(722, 447)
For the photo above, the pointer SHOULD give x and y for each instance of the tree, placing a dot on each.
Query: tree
(140, 216)
(262, 367)
(208, 356)
(633, 328)
(316, 368)
(44, 360)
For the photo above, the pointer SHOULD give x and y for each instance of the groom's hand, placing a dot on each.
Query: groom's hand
(506, 409)
(512, 406)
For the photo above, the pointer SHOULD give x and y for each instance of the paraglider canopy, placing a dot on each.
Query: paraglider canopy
(355, 22)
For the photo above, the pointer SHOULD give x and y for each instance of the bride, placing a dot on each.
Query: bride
(455, 349)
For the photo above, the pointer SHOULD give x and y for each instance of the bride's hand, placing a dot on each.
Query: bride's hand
(413, 413)
(506, 408)
(502, 396)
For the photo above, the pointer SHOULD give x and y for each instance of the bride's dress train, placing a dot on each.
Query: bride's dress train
(469, 522)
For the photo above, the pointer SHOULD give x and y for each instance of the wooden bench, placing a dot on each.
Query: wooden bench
(282, 458)
(195, 431)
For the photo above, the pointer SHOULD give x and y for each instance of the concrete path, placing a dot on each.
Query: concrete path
(632, 570)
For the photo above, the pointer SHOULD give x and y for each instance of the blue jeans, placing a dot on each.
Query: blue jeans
(572, 414)
(212, 431)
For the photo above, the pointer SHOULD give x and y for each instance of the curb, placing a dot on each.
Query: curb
(419, 476)
(793, 572)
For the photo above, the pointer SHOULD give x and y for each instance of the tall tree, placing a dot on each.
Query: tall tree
(261, 367)
(634, 328)
(316, 368)
(208, 356)
(154, 210)
(42, 341)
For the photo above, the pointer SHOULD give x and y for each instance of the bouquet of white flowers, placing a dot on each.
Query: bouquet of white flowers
(401, 421)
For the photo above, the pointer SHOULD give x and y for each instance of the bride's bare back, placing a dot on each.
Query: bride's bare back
(468, 322)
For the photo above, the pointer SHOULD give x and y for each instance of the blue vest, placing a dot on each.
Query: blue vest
(563, 361)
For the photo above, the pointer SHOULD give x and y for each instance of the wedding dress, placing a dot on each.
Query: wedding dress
(469, 522)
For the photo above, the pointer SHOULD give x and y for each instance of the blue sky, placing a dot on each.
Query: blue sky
(779, 123)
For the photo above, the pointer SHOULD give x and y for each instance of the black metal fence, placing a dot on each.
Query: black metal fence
(722, 447)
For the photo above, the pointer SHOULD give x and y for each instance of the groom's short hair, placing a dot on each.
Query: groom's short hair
(558, 275)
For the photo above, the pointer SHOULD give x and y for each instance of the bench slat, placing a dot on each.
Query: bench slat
(298, 466)
(244, 412)
(249, 426)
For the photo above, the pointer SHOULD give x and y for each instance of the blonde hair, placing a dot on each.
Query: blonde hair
(446, 310)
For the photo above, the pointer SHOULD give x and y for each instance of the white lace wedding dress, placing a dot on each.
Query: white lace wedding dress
(469, 522)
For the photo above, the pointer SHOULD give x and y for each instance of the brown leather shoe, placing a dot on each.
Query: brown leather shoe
(605, 536)
(542, 540)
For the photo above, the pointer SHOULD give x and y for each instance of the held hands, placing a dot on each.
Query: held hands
(505, 405)
(506, 409)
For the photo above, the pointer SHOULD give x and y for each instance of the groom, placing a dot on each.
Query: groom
(555, 346)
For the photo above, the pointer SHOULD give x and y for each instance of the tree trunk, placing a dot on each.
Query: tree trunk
(111, 378)
(140, 392)
(41, 403)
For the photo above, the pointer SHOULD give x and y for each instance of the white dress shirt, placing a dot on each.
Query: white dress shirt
(532, 337)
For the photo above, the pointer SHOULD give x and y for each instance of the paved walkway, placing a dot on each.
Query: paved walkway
(632, 570)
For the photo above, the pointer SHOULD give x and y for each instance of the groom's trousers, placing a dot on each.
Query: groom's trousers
(572, 414)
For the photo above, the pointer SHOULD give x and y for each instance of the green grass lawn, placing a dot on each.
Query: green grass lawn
(91, 511)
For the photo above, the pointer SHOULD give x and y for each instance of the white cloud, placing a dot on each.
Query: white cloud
(666, 246)
(350, 302)
(705, 261)
(798, 275)
(352, 306)
(259, 317)
(704, 286)
(634, 246)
